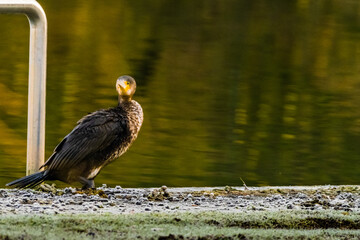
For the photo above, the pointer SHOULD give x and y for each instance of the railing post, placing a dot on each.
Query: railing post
(37, 78)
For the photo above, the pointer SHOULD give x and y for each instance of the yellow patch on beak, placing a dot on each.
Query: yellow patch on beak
(123, 87)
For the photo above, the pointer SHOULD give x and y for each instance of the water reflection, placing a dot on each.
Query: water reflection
(252, 89)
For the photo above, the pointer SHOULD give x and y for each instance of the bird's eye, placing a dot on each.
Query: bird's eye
(127, 83)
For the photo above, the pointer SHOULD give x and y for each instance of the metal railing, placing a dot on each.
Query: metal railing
(37, 78)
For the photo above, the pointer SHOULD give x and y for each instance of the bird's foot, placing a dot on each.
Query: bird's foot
(87, 183)
(89, 187)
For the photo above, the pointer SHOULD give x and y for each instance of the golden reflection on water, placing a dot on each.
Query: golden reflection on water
(230, 89)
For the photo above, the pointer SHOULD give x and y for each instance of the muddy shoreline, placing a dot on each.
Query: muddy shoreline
(137, 200)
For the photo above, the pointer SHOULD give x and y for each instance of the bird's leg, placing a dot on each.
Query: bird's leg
(87, 183)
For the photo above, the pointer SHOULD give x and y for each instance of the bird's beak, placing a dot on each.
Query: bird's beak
(123, 86)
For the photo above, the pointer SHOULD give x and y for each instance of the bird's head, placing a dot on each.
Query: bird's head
(125, 86)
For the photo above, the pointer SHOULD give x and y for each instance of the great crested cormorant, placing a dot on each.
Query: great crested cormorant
(97, 139)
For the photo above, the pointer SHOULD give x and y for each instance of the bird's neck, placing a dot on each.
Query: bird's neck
(123, 100)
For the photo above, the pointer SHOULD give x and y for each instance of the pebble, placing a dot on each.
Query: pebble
(121, 200)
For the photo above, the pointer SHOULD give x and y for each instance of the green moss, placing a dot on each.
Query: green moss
(44, 187)
(91, 191)
(159, 194)
(204, 225)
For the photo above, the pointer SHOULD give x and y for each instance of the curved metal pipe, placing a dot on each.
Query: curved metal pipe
(37, 78)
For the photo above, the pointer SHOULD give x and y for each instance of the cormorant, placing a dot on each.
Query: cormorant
(97, 139)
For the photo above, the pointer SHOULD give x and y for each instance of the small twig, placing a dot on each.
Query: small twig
(246, 188)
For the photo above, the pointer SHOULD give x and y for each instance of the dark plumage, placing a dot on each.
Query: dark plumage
(98, 138)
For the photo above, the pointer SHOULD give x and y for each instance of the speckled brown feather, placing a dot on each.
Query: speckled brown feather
(98, 138)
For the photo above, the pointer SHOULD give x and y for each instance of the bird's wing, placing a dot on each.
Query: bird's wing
(94, 133)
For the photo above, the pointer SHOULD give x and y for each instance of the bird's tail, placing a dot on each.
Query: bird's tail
(29, 181)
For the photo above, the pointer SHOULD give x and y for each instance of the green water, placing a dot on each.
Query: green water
(266, 91)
